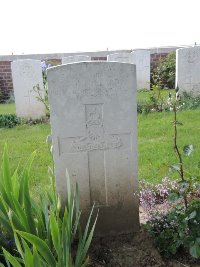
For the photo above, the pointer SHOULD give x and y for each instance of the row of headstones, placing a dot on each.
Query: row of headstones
(141, 58)
(28, 73)
(93, 113)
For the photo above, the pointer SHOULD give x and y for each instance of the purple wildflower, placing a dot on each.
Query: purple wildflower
(43, 65)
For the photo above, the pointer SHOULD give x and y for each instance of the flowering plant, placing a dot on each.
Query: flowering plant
(42, 93)
(179, 226)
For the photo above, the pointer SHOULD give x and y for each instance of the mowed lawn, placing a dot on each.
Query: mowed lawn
(155, 146)
(22, 141)
(7, 108)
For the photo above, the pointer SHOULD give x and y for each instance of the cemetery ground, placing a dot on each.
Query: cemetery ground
(155, 152)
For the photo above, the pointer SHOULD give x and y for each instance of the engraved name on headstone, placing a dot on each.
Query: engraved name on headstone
(94, 129)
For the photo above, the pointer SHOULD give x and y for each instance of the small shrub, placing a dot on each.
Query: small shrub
(164, 74)
(35, 121)
(165, 228)
(8, 120)
(11, 99)
(177, 229)
(180, 226)
(1, 96)
(42, 93)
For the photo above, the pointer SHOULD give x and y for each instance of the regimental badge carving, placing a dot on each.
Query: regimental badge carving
(94, 116)
(95, 137)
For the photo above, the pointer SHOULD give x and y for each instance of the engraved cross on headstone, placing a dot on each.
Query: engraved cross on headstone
(96, 142)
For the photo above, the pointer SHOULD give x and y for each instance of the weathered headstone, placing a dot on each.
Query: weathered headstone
(76, 58)
(188, 69)
(141, 58)
(120, 57)
(26, 74)
(94, 129)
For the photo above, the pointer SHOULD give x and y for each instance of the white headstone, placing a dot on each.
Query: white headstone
(26, 74)
(76, 58)
(141, 58)
(188, 69)
(94, 128)
(120, 57)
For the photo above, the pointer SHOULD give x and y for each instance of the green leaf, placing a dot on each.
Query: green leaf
(173, 197)
(11, 259)
(15, 182)
(6, 171)
(183, 187)
(41, 246)
(192, 215)
(188, 149)
(28, 257)
(84, 243)
(37, 260)
(175, 167)
(21, 215)
(195, 250)
(5, 222)
(55, 233)
(27, 204)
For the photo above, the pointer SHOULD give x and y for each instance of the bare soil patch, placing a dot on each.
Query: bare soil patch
(136, 250)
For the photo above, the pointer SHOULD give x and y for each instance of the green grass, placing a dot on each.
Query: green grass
(144, 96)
(156, 140)
(22, 141)
(7, 109)
(155, 146)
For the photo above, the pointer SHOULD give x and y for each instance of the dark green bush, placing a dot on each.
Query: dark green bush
(164, 74)
(8, 120)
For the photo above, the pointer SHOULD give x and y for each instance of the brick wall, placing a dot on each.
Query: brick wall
(99, 58)
(155, 58)
(6, 84)
(53, 61)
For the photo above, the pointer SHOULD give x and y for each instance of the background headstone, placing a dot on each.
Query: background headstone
(77, 58)
(26, 74)
(94, 128)
(120, 57)
(141, 58)
(188, 69)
